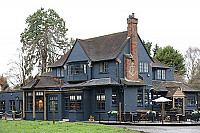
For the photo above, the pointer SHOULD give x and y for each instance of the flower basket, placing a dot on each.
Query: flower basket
(151, 113)
(196, 114)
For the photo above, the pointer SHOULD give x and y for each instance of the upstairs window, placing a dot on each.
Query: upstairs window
(103, 67)
(144, 67)
(161, 74)
(191, 100)
(77, 69)
(60, 72)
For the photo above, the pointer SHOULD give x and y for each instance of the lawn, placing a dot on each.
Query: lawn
(49, 127)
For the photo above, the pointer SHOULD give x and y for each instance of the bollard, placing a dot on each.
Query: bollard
(13, 115)
(5, 116)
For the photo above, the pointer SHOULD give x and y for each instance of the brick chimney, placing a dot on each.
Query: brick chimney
(131, 61)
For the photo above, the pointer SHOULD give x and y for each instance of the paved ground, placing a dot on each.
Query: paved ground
(163, 129)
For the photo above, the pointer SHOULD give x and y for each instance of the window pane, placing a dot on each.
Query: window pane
(72, 102)
(146, 67)
(2, 105)
(101, 67)
(114, 96)
(140, 96)
(163, 74)
(58, 72)
(62, 72)
(55, 100)
(39, 102)
(159, 74)
(76, 69)
(141, 67)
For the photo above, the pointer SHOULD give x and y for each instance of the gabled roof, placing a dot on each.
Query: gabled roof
(41, 82)
(104, 47)
(164, 85)
(61, 61)
(159, 64)
(93, 82)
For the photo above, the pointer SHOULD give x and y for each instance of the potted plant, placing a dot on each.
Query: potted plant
(151, 113)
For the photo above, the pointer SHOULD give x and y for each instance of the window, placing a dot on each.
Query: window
(103, 67)
(77, 69)
(72, 103)
(83, 68)
(140, 96)
(100, 99)
(146, 97)
(161, 74)
(114, 96)
(191, 100)
(12, 105)
(2, 105)
(79, 102)
(29, 101)
(55, 100)
(144, 67)
(20, 105)
(60, 72)
(39, 100)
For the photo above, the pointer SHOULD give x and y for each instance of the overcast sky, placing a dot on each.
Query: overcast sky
(165, 22)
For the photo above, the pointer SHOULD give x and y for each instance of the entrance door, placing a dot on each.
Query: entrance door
(66, 107)
(179, 103)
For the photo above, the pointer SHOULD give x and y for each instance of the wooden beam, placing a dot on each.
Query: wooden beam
(162, 112)
(45, 108)
(33, 104)
(24, 104)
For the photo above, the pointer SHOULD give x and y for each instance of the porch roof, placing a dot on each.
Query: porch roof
(164, 85)
(93, 82)
(132, 82)
(41, 82)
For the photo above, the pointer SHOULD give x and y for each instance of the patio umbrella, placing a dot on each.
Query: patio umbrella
(162, 100)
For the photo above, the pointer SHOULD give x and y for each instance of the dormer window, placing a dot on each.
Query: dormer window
(144, 68)
(161, 74)
(103, 67)
(60, 72)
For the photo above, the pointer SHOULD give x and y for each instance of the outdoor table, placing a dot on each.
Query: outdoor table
(143, 114)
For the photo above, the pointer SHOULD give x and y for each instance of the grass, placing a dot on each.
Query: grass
(58, 127)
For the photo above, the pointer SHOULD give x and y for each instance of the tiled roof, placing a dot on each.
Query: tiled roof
(93, 82)
(133, 82)
(61, 61)
(104, 47)
(44, 82)
(163, 85)
(159, 64)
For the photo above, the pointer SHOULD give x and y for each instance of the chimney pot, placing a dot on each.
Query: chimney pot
(133, 14)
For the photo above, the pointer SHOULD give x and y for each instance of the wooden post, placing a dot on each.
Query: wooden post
(45, 108)
(34, 105)
(23, 104)
(173, 102)
(120, 112)
(13, 113)
(53, 112)
(5, 115)
(183, 106)
(162, 112)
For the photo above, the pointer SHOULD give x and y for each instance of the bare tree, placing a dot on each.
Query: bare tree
(18, 74)
(192, 59)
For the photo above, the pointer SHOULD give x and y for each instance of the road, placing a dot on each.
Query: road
(163, 129)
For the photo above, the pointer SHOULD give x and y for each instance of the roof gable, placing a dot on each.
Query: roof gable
(104, 47)
(158, 64)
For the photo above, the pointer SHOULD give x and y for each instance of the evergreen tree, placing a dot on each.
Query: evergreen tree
(148, 46)
(171, 57)
(44, 40)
